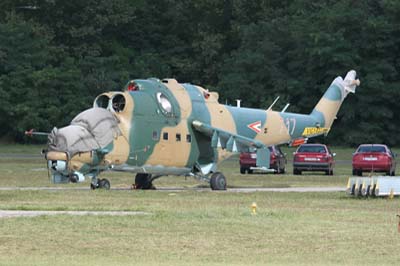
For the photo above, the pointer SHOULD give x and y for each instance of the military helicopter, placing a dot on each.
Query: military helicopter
(155, 128)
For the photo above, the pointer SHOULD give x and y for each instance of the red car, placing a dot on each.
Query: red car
(277, 160)
(313, 157)
(374, 158)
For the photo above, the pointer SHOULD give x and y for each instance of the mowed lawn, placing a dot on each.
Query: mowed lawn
(196, 227)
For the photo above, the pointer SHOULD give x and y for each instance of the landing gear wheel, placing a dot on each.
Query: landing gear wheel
(104, 184)
(74, 178)
(143, 181)
(101, 184)
(218, 181)
(329, 172)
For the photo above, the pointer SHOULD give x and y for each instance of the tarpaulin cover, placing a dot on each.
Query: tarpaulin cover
(92, 129)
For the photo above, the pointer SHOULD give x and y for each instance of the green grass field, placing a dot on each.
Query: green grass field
(195, 227)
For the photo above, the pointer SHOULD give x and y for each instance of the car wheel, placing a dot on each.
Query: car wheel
(327, 172)
(296, 171)
(242, 170)
(359, 172)
(354, 171)
(278, 169)
(393, 173)
(331, 172)
(283, 170)
(249, 171)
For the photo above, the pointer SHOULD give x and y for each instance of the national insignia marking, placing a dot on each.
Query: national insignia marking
(256, 126)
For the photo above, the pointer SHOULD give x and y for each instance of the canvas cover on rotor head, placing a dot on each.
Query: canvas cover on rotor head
(92, 129)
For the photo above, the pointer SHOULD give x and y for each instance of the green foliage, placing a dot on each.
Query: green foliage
(56, 56)
(25, 53)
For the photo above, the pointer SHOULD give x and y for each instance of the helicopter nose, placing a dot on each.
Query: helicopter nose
(57, 163)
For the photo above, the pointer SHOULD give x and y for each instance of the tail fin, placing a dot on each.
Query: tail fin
(327, 108)
(350, 82)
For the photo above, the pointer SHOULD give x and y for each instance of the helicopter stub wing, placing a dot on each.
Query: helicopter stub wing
(225, 139)
(234, 143)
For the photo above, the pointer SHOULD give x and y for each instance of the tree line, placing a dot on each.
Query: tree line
(56, 56)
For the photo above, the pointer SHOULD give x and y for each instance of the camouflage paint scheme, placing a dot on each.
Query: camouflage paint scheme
(197, 125)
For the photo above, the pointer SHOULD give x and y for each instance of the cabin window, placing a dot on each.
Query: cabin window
(178, 137)
(155, 135)
(164, 103)
(165, 136)
(188, 138)
(118, 103)
(102, 101)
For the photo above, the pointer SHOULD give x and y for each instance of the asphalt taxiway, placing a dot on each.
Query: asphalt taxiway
(21, 213)
(178, 189)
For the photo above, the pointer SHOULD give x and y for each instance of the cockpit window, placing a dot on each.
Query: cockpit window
(102, 101)
(118, 103)
(164, 103)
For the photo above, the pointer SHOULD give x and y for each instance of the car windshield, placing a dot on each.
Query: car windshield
(314, 148)
(372, 149)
